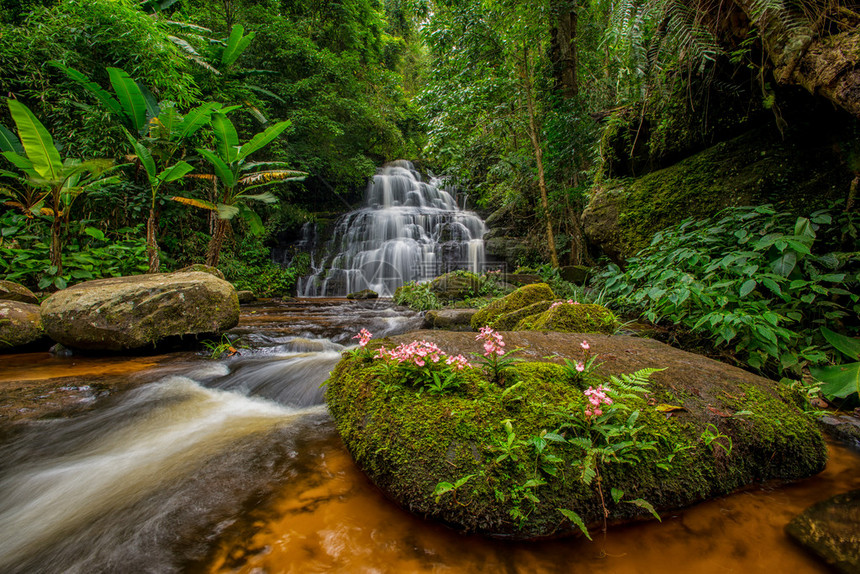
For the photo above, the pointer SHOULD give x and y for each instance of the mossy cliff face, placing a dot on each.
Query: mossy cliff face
(408, 442)
(522, 297)
(758, 167)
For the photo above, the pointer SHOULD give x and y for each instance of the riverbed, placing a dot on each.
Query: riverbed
(182, 463)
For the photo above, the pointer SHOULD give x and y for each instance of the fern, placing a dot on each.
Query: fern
(633, 383)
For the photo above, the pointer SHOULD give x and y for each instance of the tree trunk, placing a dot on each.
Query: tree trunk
(824, 65)
(565, 57)
(534, 136)
(214, 250)
(56, 252)
(152, 241)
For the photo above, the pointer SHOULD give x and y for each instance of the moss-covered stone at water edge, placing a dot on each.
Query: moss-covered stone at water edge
(522, 297)
(707, 429)
(572, 318)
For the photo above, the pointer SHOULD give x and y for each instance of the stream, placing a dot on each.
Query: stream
(181, 463)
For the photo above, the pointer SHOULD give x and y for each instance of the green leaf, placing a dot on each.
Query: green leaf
(95, 233)
(785, 264)
(196, 119)
(847, 345)
(263, 138)
(226, 137)
(236, 44)
(38, 143)
(266, 197)
(145, 157)
(226, 211)
(646, 505)
(130, 97)
(96, 90)
(839, 380)
(8, 141)
(221, 169)
(258, 229)
(617, 494)
(175, 172)
(576, 519)
(747, 287)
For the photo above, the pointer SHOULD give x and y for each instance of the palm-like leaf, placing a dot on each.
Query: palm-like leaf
(199, 203)
(263, 138)
(130, 97)
(226, 137)
(37, 142)
(236, 44)
(8, 141)
(271, 176)
(96, 90)
(225, 174)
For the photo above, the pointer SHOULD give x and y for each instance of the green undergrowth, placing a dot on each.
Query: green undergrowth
(524, 461)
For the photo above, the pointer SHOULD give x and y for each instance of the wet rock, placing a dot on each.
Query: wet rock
(246, 296)
(408, 442)
(449, 319)
(522, 297)
(363, 294)
(842, 427)
(11, 291)
(831, 529)
(20, 324)
(139, 311)
(456, 285)
(201, 268)
(59, 350)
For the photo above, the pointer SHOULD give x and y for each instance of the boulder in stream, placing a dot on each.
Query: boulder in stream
(521, 461)
(246, 296)
(138, 311)
(20, 324)
(831, 529)
(11, 291)
(449, 319)
(363, 294)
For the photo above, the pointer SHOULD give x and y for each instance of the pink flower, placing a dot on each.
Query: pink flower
(364, 336)
(493, 342)
(580, 366)
(596, 398)
(585, 345)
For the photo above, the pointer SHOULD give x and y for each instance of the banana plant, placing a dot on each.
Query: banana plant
(58, 181)
(237, 176)
(156, 131)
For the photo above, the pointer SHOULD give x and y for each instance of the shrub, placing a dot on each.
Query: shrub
(418, 296)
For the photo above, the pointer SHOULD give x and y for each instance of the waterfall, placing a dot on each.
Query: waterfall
(408, 230)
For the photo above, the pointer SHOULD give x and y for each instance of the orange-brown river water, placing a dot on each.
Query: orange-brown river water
(179, 463)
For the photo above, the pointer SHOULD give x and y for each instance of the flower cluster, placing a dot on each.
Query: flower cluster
(568, 302)
(364, 336)
(597, 397)
(493, 342)
(419, 353)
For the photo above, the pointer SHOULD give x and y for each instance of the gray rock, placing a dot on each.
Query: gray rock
(454, 285)
(246, 296)
(199, 267)
(11, 291)
(20, 324)
(831, 529)
(449, 319)
(138, 311)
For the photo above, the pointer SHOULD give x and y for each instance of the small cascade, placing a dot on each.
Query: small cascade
(408, 230)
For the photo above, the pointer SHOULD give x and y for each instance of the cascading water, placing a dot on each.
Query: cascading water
(408, 230)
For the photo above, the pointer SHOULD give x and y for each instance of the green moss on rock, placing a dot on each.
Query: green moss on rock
(572, 318)
(408, 442)
(522, 297)
(509, 321)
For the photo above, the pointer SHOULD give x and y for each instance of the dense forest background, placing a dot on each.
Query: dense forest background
(578, 128)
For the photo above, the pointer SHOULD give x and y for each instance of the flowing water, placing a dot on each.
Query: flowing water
(185, 464)
(408, 230)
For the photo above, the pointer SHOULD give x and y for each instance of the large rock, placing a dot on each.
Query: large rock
(704, 429)
(571, 318)
(138, 311)
(622, 215)
(449, 319)
(456, 285)
(20, 324)
(363, 294)
(522, 297)
(200, 267)
(11, 291)
(831, 529)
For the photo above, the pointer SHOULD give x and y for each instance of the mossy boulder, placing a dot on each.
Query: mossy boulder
(456, 285)
(758, 167)
(11, 291)
(246, 296)
(201, 268)
(363, 294)
(449, 319)
(139, 311)
(522, 297)
(509, 321)
(20, 324)
(831, 529)
(707, 429)
(572, 318)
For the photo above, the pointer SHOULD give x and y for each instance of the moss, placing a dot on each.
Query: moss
(407, 442)
(570, 318)
(522, 297)
(509, 321)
